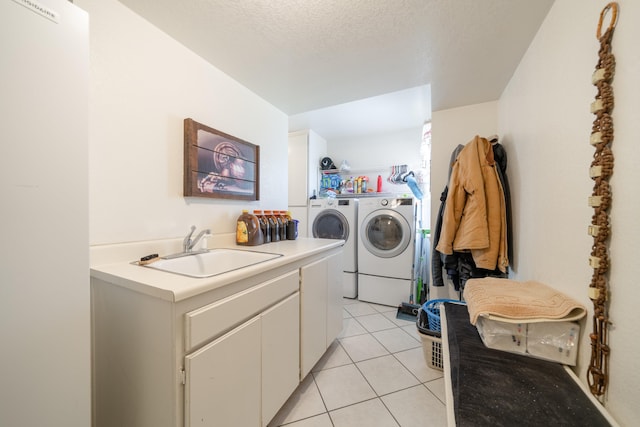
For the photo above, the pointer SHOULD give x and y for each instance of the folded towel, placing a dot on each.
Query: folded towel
(519, 302)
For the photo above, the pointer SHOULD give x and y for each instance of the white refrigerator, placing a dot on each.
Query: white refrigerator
(44, 246)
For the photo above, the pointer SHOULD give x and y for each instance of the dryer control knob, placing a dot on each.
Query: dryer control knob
(384, 202)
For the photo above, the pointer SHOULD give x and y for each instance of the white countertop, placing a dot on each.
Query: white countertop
(174, 287)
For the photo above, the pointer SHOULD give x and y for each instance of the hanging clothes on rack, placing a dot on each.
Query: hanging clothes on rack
(500, 156)
(472, 240)
(437, 258)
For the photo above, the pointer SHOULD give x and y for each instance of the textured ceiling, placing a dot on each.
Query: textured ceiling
(304, 55)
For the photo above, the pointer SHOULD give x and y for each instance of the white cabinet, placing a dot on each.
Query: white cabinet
(280, 355)
(223, 380)
(306, 149)
(314, 299)
(244, 377)
(196, 362)
(321, 309)
(45, 80)
(230, 356)
(334, 297)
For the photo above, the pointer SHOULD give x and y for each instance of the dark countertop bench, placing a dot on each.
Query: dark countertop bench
(487, 387)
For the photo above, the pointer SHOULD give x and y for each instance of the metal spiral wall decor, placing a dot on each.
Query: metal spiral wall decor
(600, 172)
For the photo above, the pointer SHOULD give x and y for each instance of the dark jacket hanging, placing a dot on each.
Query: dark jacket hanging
(437, 259)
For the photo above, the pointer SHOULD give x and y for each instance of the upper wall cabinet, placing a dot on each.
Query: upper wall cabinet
(306, 149)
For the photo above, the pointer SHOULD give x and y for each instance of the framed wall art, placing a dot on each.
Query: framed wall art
(218, 165)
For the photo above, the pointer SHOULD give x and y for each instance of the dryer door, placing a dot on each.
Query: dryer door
(385, 233)
(330, 224)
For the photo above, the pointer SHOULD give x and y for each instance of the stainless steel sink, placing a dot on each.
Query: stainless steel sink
(212, 263)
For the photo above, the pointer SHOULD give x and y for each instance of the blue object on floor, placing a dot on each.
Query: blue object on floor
(432, 308)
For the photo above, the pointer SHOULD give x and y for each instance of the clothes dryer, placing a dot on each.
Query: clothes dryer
(386, 249)
(337, 219)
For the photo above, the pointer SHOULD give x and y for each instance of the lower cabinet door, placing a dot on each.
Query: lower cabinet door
(280, 355)
(313, 314)
(223, 380)
(334, 300)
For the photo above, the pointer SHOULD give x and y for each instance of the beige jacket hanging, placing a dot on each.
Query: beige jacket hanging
(474, 218)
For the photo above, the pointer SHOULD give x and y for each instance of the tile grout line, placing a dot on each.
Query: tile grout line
(339, 342)
(378, 396)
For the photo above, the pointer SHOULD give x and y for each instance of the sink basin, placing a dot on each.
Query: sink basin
(212, 263)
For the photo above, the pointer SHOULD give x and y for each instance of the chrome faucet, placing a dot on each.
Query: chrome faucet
(188, 243)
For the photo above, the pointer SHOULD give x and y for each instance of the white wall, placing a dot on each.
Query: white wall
(143, 85)
(545, 120)
(375, 154)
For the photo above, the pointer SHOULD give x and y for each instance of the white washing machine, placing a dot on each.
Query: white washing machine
(337, 219)
(386, 249)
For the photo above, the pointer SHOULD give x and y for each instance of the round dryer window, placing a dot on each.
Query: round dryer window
(330, 224)
(386, 234)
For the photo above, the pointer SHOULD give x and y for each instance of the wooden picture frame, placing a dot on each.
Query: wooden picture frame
(218, 165)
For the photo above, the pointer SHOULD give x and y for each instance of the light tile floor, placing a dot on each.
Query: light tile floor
(373, 375)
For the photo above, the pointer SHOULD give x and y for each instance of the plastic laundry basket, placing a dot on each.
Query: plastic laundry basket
(428, 324)
(431, 341)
